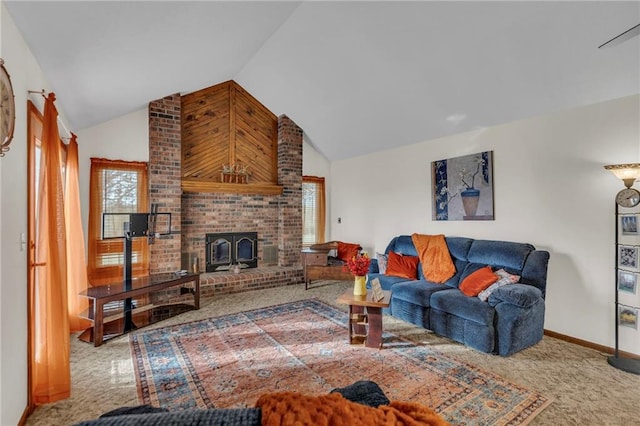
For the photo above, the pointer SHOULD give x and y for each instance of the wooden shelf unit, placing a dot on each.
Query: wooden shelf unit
(103, 311)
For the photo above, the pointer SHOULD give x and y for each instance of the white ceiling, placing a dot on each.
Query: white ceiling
(358, 77)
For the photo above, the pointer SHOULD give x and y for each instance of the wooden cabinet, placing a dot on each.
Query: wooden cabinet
(316, 267)
(315, 257)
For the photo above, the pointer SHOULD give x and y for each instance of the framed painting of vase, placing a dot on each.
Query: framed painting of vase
(462, 187)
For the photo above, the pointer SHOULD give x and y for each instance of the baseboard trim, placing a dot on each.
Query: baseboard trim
(25, 414)
(587, 344)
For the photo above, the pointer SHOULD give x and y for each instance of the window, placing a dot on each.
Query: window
(313, 210)
(115, 187)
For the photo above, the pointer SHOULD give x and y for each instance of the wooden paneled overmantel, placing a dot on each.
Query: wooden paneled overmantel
(224, 126)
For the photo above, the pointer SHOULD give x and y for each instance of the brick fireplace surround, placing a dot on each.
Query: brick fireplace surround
(276, 218)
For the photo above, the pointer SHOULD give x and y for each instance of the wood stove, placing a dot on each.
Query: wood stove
(223, 250)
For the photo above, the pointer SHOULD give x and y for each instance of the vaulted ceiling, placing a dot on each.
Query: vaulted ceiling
(358, 76)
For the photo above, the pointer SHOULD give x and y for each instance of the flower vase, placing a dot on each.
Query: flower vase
(470, 201)
(360, 285)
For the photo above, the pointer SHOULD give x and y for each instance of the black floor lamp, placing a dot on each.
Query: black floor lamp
(627, 260)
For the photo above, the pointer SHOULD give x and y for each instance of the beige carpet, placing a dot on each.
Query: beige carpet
(583, 387)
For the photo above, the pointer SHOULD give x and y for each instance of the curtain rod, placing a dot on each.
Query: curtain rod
(44, 95)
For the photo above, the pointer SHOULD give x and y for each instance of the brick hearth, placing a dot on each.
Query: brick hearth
(276, 218)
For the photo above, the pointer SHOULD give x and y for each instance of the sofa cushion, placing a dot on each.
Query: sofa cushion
(453, 302)
(416, 292)
(402, 244)
(477, 281)
(402, 266)
(470, 268)
(459, 247)
(522, 295)
(505, 254)
(386, 281)
(461, 265)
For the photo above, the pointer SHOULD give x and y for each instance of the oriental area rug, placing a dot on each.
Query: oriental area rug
(229, 361)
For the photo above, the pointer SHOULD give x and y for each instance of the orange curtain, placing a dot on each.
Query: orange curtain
(76, 266)
(51, 376)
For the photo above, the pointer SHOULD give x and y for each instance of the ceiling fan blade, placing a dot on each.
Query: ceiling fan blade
(630, 33)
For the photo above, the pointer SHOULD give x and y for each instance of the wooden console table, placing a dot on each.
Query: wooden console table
(100, 296)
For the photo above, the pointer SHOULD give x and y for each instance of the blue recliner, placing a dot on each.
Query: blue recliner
(511, 319)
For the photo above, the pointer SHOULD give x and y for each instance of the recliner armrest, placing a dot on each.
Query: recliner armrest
(522, 295)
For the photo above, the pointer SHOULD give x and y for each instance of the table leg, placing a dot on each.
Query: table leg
(98, 325)
(374, 336)
(350, 323)
(196, 294)
(357, 329)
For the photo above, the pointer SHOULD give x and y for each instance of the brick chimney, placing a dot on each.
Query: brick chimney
(277, 218)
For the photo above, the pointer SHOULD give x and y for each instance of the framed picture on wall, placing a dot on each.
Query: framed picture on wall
(462, 187)
(628, 258)
(628, 316)
(629, 224)
(628, 282)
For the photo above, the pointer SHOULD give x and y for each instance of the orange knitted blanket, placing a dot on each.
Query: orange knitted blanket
(434, 255)
(290, 408)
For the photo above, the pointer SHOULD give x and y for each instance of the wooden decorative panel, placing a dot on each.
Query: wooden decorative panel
(224, 124)
(256, 137)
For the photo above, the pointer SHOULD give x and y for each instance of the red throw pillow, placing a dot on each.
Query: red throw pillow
(402, 266)
(478, 281)
(347, 250)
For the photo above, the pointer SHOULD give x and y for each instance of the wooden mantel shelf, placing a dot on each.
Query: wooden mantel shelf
(201, 185)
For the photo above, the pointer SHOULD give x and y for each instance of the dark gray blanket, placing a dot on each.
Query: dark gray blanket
(212, 417)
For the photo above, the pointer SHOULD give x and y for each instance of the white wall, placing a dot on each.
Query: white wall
(550, 190)
(25, 75)
(123, 138)
(316, 164)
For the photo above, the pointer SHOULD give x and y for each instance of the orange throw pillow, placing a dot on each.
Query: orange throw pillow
(347, 250)
(402, 266)
(478, 281)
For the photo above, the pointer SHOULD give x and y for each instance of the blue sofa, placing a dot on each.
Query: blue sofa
(510, 320)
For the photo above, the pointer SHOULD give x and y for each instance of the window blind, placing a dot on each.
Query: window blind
(313, 210)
